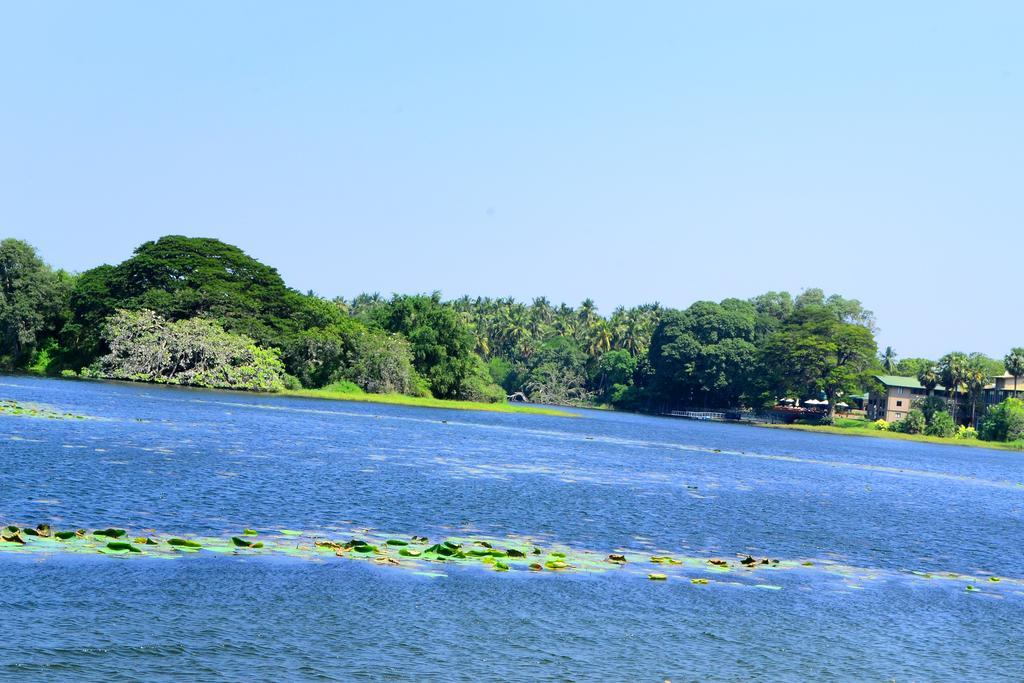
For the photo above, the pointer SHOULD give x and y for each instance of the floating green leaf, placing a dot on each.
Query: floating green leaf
(123, 546)
(110, 533)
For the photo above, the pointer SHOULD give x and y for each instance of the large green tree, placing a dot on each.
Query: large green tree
(705, 354)
(185, 277)
(33, 301)
(441, 340)
(816, 350)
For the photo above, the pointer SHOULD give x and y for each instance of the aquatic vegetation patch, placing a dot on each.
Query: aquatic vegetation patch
(38, 410)
(419, 554)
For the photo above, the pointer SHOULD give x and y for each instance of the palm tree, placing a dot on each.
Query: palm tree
(929, 377)
(587, 312)
(974, 381)
(889, 360)
(953, 368)
(1014, 362)
(599, 338)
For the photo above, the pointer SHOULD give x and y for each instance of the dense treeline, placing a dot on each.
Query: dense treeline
(199, 311)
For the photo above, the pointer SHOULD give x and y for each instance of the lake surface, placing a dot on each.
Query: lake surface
(196, 462)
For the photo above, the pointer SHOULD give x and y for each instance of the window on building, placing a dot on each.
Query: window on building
(899, 404)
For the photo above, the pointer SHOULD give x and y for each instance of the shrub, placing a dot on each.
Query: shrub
(623, 396)
(941, 425)
(68, 373)
(913, 423)
(478, 385)
(930, 406)
(344, 387)
(382, 364)
(42, 359)
(882, 425)
(965, 432)
(291, 382)
(1004, 422)
(503, 374)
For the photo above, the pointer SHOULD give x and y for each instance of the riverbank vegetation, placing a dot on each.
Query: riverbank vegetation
(964, 436)
(346, 391)
(200, 312)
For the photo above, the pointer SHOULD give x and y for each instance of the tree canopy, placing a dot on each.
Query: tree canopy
(817, 350)
(32, 302)
(184, 277)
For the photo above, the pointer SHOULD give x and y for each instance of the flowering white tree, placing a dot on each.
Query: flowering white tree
(198, 352)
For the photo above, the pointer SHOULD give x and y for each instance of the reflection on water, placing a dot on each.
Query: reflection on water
(868, 512)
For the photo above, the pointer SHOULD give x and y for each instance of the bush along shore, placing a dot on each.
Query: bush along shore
(422, 555)
(199, 312)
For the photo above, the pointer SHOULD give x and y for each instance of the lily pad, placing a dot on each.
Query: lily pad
(123, 546)
(110, 533)
(12, 537)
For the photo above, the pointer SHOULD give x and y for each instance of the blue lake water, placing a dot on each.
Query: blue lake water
(203, 462)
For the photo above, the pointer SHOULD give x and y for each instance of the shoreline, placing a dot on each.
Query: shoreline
(387, 399)
(425, 402)
(1013, 447)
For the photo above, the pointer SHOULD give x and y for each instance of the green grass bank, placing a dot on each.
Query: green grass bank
(862, 428)
(343, 392)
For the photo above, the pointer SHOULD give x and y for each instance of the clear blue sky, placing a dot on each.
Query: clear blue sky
(630, 152)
